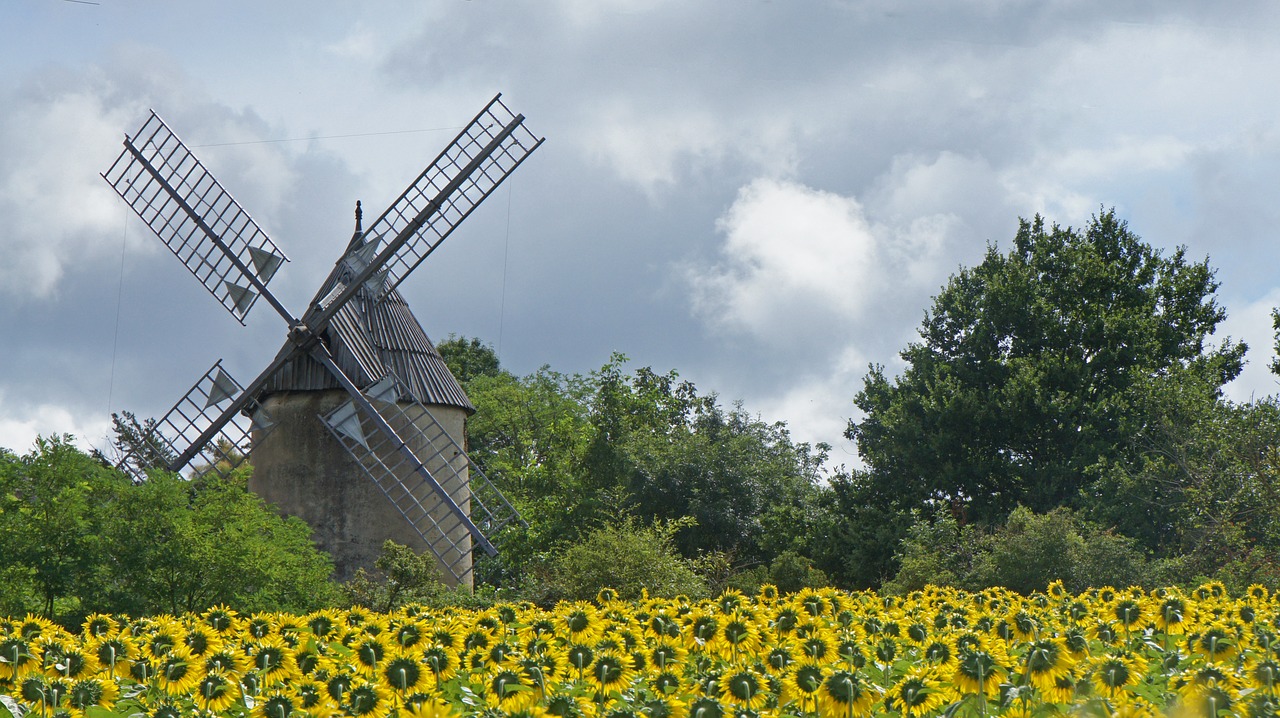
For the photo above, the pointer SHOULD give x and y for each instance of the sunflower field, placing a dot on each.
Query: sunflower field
(824, 653)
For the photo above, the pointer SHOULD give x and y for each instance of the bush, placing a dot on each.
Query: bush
(626, 557)
(1025, 554)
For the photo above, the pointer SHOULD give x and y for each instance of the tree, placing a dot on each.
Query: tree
(1275, 323)
(77, 536)
(1025, 374)
(54, 503)
(183, 545)
(574, 452)
(468, 358)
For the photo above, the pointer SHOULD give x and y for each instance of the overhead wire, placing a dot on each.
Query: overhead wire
(115, 342)
(327, 137)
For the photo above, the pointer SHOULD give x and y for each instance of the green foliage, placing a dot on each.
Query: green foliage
(77, 537)
(184, 546)
(1025, 554)
(1205, 485)
(1275, 324)
(572, 451)
(1025, 372)
(1036, 369)
(404, 577)
(468, 358)
(625, 556)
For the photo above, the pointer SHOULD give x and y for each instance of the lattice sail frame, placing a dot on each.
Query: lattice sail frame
(450, 507)
(196, 411)
(496, 141)
(207, 230)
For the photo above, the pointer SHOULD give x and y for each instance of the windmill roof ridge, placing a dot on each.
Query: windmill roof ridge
(373, 334)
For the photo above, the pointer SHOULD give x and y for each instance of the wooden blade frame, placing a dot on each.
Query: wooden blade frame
(207, 230)
(197, 411)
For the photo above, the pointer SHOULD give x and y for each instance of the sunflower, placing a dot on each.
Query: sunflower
(1210, 700)
(114, 654)
(919, 692)
(17, 658)
(703, 630)
(442, 661)
(610, 672)
(509, 689)
(163, 637)
(227, 660)
(1047, 659)
(66, 660)
(780, 657)
(429, 707)
(216, 691)
(979, 668)
(744, 688)
(368, 700)
(99, 625)
(940, 652)
(222, 619)
(409, 634)
(201, 640)
(32, 627)
(1062, 691)
(1112, 673)
(177, 672)
(1215, 643)
(369, 652)
(580, 622)
(260, 625)
(323, 623)
(273, 660)
(308, 693)
(1056, 590)
(89, 692)
(565, 704)
(802, 686)
(1128, 611)
(403, 673)
(1265, 673)
(845, 694)
(706, 707)
(738, 637)
(277, 704)
(664, 706)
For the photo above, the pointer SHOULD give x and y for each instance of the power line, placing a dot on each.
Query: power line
(327, 137)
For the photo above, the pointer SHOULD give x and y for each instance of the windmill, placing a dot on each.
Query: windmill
(357, 412)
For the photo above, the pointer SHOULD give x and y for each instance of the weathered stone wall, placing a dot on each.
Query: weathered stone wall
(305, 472)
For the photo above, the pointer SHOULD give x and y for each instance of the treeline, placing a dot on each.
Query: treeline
(1060, 417)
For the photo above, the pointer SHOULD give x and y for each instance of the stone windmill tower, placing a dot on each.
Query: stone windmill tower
(356, 426)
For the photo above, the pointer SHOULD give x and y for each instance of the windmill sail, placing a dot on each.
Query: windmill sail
(461, 177)
(197, 411)
(447, 500)
(207, 230)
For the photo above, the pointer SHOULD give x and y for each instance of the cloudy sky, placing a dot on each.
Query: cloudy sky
(761, 195)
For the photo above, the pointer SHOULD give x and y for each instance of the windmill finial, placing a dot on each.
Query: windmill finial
(359, 214)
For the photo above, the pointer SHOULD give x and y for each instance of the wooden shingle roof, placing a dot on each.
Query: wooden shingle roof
(373, 334)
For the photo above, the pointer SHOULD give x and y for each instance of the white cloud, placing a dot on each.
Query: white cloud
(20, 424)
(58, 210)
(795, 260)
(1251, 322)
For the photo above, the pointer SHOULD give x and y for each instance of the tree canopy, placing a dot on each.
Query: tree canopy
(1026, 372)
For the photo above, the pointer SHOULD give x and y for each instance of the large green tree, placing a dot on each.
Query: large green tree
(576, 453)
(1027, 367)
(78, 536)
